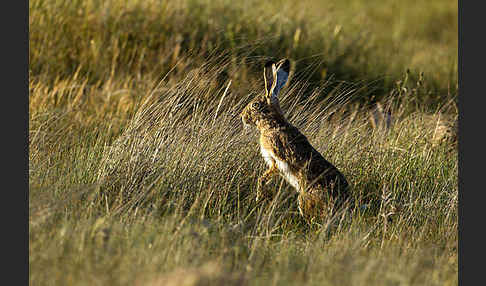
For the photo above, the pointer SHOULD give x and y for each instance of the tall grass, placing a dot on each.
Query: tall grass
(140, 172)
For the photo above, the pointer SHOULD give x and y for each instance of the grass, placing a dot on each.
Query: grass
(140, 172)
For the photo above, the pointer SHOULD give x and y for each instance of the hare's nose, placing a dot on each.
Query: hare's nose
(246, 126)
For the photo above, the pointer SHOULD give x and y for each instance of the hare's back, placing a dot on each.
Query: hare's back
(303, 159)
(314, 166)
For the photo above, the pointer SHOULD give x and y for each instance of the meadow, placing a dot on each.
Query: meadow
(140, 171)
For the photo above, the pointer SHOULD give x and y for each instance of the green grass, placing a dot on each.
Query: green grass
(351, 40)
(140, 172)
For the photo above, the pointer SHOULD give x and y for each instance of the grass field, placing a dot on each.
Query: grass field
(140, 172)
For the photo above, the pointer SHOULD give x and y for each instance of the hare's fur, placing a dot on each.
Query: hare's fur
(287, 151)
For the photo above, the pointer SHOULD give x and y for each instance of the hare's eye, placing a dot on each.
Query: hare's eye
(256, 105)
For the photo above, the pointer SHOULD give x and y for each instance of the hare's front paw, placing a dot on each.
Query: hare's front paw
(262, 193)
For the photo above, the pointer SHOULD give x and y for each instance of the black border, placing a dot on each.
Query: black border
(471, 66)
(15, 90)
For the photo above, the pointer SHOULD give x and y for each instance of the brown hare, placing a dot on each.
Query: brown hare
(321, 187)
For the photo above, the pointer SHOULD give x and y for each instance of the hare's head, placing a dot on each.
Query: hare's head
(266, 106)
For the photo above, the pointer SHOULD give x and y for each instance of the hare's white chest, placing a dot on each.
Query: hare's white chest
(282, 166)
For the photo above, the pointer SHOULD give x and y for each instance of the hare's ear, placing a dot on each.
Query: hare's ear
(281, 75)
(268, 77)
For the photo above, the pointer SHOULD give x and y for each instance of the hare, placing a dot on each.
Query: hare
(287, 151)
